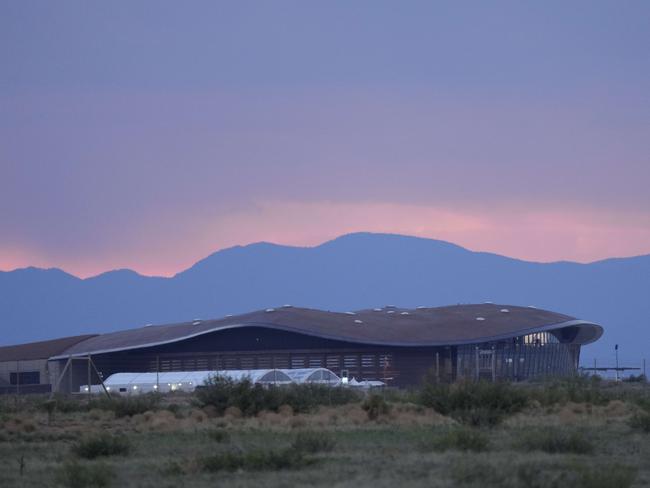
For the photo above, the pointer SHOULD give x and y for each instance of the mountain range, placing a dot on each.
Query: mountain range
(351, 272)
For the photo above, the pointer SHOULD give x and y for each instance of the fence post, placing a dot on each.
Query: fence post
(89, 379)
(18, 378)
(70, 376)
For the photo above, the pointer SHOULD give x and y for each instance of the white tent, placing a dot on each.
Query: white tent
(312, 375)
(135, 383)
(365, 383)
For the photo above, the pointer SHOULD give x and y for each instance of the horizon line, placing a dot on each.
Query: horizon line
(327, 241)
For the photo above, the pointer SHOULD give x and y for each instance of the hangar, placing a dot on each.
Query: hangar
(394, 345)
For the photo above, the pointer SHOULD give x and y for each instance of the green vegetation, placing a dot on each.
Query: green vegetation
(548, 434)
(641, 422)
(219, 435)
(256, 460)
(375, 405)
(457, 438)
(250, 399)
(555, 440)
(75, 475)
(313, 442)
(474, 403)
(102, 445)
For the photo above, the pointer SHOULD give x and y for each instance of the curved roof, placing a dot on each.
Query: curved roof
(388, 326)
(40, 350)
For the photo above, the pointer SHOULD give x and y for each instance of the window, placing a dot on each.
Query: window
(25, 378)
(297, 362)
(247, 362)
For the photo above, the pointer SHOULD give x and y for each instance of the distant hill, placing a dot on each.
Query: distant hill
(352, 272)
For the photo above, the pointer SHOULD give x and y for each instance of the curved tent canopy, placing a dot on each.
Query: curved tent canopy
(388, 326)
(312, 375)
(183, 380)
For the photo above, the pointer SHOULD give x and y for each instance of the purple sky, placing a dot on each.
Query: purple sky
(149, 134)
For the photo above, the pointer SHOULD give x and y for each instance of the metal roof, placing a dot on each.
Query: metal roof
(388, 326)
(40, 350)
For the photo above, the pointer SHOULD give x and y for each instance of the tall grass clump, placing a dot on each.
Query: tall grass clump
(474, 403)
(102, 445)
(122, 406)
(256, 460)
(74, 475)
(576, 389)
(608, 476)
(222, 392)
(641, 422)
(555, 441)
(375, 406)
(313, 442)
(127, 406)
(219, 435)
(457, 438)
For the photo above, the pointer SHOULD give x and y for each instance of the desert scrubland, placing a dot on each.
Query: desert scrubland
(581, 432)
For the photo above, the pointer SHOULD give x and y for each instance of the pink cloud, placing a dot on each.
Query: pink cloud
(166, 246)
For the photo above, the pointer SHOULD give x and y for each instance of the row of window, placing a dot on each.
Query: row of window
(25, 378)
(227, 362)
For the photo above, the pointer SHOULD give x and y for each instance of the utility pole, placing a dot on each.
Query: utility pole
(616, 351)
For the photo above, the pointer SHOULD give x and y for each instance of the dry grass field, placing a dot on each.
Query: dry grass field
(586, 436)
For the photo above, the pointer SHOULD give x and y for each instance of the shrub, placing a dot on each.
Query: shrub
(556, 441)
(313, 442)
(258, 460)
(219, 435)
(375, 405)
(172, 468)
(102, 445)
(613, 475)
(457, 438)
(641, 422)
(64, 404)
(222, 393)
(474, 403)
(127, 406)
(465, 471)
(635, 379)
(576, 389)
(75, 475)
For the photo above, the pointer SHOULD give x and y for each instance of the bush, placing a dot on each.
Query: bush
(375, 405)
(258, 460)
(102, 445)
(474, 403)
(576, 389)
(219, 435)
(127, 406)
(313, 442)
(556, 441)
(641, 422)
(75, 475)
(457, 438)
(635, 379)
(613, 475)
(222, 393)
(64, 404)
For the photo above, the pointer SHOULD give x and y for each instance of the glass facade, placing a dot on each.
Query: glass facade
(520, 358)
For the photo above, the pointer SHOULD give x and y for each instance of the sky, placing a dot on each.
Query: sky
(149, 134)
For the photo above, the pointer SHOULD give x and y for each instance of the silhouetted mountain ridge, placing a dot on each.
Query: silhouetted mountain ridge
(350, 272)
